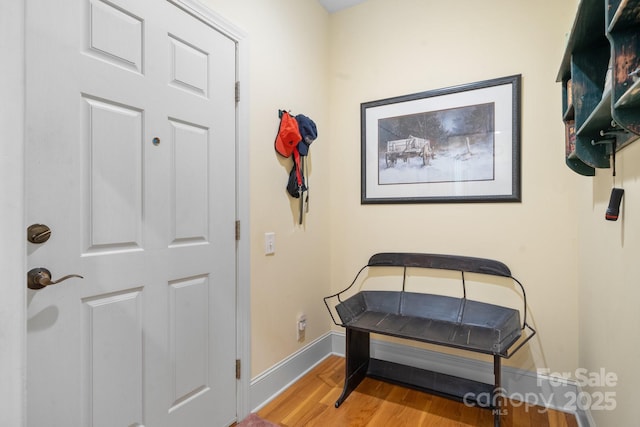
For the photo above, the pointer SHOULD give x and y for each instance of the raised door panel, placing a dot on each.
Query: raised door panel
(189, 197)
(189, 338)
(113, 359)
(189, 69)
(113, 176)
(115, 35)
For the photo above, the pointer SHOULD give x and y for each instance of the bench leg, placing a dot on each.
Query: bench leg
(497, 391)
(356, 361)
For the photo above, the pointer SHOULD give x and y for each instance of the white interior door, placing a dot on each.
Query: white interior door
(131, 163)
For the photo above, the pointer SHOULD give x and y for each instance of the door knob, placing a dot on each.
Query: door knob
(38, 278)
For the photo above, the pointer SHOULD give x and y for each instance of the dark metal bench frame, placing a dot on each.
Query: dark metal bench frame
(359, 364)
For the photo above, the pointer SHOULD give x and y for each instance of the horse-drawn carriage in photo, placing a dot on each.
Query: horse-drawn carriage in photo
(406, 149)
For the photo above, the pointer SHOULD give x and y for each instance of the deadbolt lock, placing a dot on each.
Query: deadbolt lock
(38, 233)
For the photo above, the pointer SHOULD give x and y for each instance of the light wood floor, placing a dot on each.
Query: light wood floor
(310, 402)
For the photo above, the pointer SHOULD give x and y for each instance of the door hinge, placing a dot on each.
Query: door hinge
(238, 369)
(237, 230)
(237, 91)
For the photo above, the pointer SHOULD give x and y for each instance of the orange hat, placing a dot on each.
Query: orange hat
(288, 135)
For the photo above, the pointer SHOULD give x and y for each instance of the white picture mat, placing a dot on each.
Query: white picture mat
(502, 184)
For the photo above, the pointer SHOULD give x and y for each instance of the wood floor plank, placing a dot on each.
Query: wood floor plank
(310, 403)
(396, 410)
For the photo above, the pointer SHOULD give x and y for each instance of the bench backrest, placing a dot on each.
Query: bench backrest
(444, 262)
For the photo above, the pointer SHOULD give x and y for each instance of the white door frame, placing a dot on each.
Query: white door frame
(13, 329)
(13, 309)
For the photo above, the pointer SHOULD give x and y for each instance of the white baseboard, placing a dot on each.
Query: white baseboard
(520, 385)
(269, 384)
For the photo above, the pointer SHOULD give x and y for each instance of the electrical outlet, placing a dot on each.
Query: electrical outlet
(269, 243)
(301, 326)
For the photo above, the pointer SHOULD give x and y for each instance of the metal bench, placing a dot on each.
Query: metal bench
(436, 319)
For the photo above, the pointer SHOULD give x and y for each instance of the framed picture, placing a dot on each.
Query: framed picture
(451, 145)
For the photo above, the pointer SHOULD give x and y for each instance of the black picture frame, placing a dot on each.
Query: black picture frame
(458, 144)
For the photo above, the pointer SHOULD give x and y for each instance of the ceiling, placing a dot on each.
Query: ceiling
(337, 5)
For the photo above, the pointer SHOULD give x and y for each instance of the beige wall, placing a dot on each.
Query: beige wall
(325, 66)
(578, 268)
(383, 49)
(609, 292)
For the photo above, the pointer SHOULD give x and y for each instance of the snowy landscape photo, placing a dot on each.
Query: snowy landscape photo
(456, 144)
(439, 146)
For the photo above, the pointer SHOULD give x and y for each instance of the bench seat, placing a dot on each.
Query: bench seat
(435, 319)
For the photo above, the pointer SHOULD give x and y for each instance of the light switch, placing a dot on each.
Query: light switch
(269, 243)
